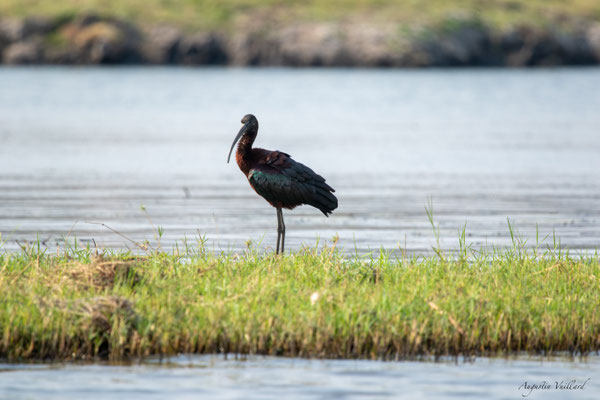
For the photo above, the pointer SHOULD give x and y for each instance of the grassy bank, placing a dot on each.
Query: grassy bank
(211, 14)
(309, 303)
(365, 33)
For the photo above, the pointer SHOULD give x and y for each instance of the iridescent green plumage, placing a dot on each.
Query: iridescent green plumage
(291, 185)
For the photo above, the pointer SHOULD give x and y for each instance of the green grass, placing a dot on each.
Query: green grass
(210, 14)
(310, 303)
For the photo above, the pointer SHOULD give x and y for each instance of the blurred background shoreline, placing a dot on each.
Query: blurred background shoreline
(367, 33)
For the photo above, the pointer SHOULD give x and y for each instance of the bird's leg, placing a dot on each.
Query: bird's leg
(282, 230)
(278, 230)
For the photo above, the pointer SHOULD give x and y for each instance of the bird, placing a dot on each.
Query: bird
(280, 180)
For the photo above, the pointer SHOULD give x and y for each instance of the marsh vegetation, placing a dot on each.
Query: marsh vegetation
(314, 302)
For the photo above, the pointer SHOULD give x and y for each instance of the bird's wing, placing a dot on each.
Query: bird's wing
(287, 183)
(283, 163)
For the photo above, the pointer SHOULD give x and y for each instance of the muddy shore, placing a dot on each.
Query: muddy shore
(91, 39)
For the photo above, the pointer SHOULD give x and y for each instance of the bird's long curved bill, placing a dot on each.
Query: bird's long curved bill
(239, 135)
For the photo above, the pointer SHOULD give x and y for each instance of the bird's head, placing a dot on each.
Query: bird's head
(250, 127)
(249, 119)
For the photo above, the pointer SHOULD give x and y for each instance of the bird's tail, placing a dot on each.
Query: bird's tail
(324, 199)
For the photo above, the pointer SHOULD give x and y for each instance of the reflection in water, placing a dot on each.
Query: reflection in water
(95, 145)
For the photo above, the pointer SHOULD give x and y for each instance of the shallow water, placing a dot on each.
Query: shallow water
(84, 145)
(94, 145)
(193, 377)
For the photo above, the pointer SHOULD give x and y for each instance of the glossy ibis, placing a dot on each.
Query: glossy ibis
(281, 181)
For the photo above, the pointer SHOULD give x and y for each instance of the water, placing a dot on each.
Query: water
(194, 377)
(87, 146)
(84, 145)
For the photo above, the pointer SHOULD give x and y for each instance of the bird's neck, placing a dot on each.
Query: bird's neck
(244, 150)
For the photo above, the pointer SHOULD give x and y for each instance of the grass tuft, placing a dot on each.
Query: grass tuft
(103, 273)
(309, 303)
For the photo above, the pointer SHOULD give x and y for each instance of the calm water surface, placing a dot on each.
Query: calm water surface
(84, 146)
(94, 145)
(212, 377)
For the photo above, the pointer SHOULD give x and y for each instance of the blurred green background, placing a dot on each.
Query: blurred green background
(211, 14)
